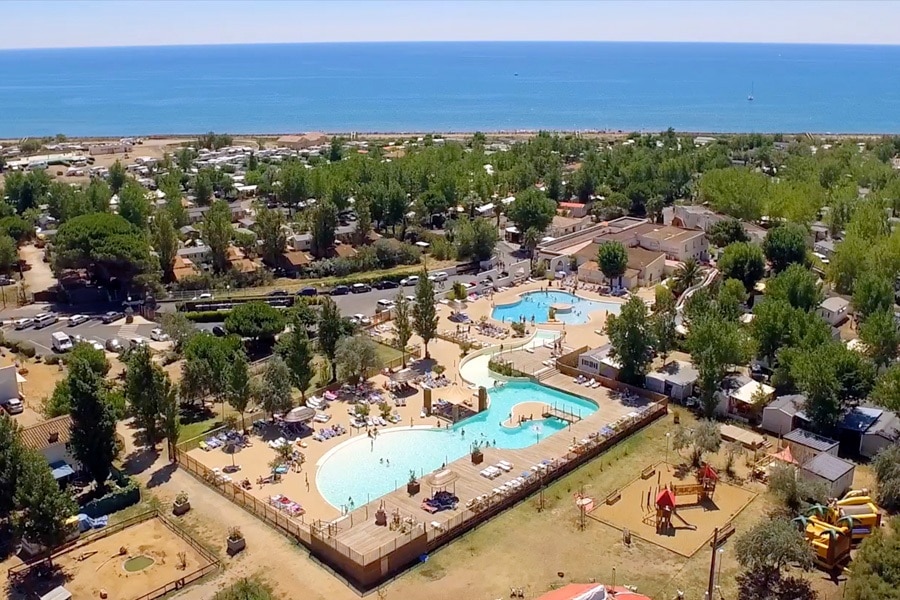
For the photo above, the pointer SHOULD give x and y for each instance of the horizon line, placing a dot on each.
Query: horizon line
(386, 42)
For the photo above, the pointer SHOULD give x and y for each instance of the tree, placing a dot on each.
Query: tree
(613, 260)
(276, 387)
(771, 584)
(785, 245)
(203, 188)
(532, 210)
(797, 285)
(740, 193)
(134, 206)
(11, 456)
(107, 245)
(336, 151)
(9, 253)
(206, 358)
(881, 336)
(323, 224)
(687, 275)
(44, 505)
(632, 342)
(270, 226)
(293, 184)
(730, 299)
(530, 239)
(93, 437)
(425, 319)
(743, 261)
(727, 232)
(773, 544)
(217, 232)
(256, 320)
(117, 176)
(144, 389)
(297, 352)
(793, 491)
(170, 420)
(17, 228)
(363, 221)
(178, 327)
(475, 239)
(887, 389)
(165, 242)
(876, 566)
(356, 356)
(887, 473)
(702, 439)
(331, 328)
(872, 292)
(715, 345)
(403, 328)
(662, 329)
(238, 390)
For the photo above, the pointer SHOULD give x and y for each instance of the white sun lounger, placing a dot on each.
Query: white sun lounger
(504, 466)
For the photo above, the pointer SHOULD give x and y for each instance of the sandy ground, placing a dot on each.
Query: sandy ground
(103, 569)
(40, 276)
(41, 378)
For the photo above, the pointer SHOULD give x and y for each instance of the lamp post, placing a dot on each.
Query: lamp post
(667, 449)
(719, 553)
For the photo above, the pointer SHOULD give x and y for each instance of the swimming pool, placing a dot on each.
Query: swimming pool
(537, 305)
(363, 469)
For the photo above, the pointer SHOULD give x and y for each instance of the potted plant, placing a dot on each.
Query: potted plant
(236, 541)
(413, 486)
(477, 455)
(676, 417)
(182, 504)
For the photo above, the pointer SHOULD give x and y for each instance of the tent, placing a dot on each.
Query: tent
(785, 455)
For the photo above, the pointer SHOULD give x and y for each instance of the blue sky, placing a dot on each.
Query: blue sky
(35, 24)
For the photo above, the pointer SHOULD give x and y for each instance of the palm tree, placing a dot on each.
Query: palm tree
(686, 276)
(530, 240)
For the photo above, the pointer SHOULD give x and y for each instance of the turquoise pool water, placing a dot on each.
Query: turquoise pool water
(362, 469)
(537, 305)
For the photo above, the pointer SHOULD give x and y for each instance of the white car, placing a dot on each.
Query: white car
(137, 341)
(411, 280)
(78, 320)
(157, 335)
(439, 276)
(361, 319)
(95, 345)
(24, 323)
(203, 296)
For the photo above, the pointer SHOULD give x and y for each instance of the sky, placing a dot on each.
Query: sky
(73, 23)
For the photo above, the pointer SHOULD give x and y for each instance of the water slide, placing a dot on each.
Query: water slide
(708, 278)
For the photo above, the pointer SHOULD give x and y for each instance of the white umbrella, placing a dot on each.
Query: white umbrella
(301, 414)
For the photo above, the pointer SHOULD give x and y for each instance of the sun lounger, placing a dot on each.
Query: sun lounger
(203, 446)
(504, 466)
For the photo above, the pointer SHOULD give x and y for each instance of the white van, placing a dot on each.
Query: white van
(384, 305)
(44, 319)
(60, 341)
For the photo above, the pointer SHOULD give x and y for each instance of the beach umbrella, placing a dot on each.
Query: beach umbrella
(301, 414)
(457, 305)
(404, 375)
(817, 510)
(232, 447)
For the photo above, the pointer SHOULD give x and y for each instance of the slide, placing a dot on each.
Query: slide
(686, 524)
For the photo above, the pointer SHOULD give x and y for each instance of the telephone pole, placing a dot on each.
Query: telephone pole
(712, 564)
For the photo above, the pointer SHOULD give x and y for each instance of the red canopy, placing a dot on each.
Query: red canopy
(785, 455)
(707, 472)
(665, 499)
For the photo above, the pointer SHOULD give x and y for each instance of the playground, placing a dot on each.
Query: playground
(126, 563)
(672, 509)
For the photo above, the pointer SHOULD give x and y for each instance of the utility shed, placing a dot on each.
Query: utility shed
(835, 473)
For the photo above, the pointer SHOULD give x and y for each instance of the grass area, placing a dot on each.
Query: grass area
(191, 430)
(386, 353)
(539, 550)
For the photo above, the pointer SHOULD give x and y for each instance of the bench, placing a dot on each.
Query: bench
(648, 472)
(613, 497)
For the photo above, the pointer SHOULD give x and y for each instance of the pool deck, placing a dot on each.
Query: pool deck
(358, 531)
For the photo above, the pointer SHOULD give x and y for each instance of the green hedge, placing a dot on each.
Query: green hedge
(126, 493)
(207, 316)
(370, 279)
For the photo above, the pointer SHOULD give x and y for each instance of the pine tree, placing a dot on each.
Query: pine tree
(425, 319)
(402, 325)
(44, 506)
(93, 422)
(298, 355)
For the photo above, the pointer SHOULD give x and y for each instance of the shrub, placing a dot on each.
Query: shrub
(27, 349)
(207, 316)
(52, 359)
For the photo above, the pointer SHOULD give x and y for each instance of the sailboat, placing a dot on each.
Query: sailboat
(750, 97)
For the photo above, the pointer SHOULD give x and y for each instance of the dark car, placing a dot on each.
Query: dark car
(360, 288)
(6, 280)
(278, 293)
(341, 290)
(386, 285)
(308, 291)
(113, 315)
(218, 331)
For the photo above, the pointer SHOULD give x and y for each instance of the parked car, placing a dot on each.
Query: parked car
(278, 293)
(219, 331)
(439, 276)
(13, 406)
(411, 280)
(137, 341)
(78, 320)
(6, 280)
(361, 319)
(158, 335)
(24, 323)
(45, 320)
(387, 284)
(203, 296)
(114, 345)
(95, 344)
(113, 315)
(383, 305)
(308, 291)
(341, 290)
(360, 288)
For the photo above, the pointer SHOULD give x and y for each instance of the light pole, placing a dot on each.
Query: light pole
(667, 449)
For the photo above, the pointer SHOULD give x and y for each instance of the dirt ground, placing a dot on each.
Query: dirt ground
(103, 570)
(630, 511)
(41, 378)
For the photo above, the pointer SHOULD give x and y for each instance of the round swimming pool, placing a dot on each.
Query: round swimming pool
(362, 469)
(535, 307)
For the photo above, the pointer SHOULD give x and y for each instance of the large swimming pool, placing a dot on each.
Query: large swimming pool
(363, 469)
(537, 305)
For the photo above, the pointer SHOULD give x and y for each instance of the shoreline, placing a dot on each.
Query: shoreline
(457, 134)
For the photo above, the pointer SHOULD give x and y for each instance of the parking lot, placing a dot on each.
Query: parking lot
(93, 329)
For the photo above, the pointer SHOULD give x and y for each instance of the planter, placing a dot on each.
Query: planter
(413, 487)
(179, 508)
(235, 546)
(477, 458)
(676, 418)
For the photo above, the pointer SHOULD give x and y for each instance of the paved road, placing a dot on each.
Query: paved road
(91, 330)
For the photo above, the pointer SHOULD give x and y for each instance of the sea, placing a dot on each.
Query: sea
(450, 87)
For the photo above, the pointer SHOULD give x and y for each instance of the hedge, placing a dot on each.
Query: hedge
(370, 279)
(207, 316)
(124, 495)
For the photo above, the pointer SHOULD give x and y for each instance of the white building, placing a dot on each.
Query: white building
(51, 439)
(835, 310)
